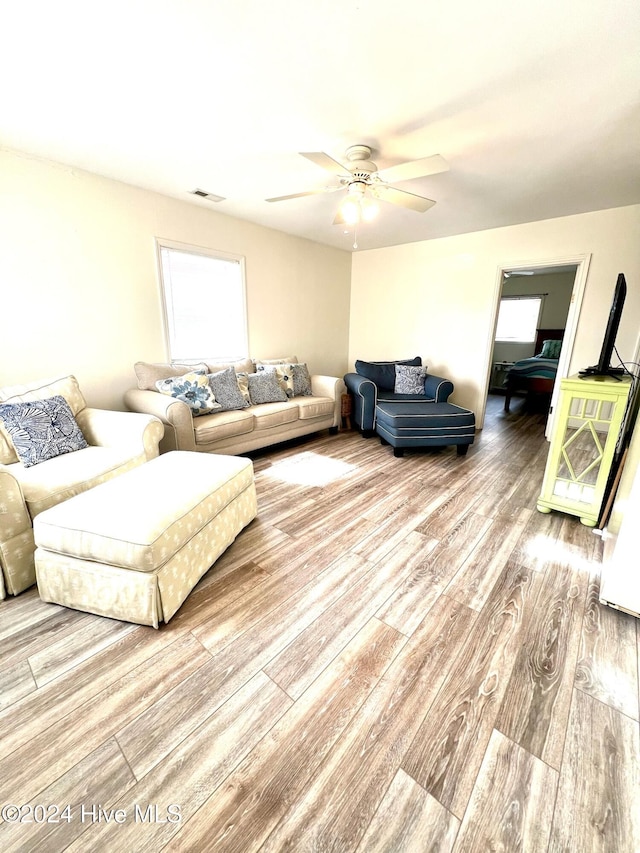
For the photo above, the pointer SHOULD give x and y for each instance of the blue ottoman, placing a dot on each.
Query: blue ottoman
(414, 424)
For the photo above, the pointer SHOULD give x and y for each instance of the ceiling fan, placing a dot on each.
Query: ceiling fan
(364, 183)
(518, 272)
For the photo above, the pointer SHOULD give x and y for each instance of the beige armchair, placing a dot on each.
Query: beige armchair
(118, 441)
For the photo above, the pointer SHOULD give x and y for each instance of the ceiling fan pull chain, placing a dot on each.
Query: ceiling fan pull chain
(355, 236)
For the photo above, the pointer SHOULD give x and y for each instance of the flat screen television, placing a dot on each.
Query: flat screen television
(603, 367)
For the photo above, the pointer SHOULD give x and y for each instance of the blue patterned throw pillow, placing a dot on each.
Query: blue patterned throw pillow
(265, 388)
(224, 385)
(301, 380)
(409, 379)
(193, 389)
(284, 374)
(42, 429)
(294, 379)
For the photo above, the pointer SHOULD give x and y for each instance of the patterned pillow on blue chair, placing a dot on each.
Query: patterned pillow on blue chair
(409, 379)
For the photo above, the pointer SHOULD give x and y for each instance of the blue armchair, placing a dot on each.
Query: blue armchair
(374, 382)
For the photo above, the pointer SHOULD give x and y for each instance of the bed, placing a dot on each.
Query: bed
(536, 375)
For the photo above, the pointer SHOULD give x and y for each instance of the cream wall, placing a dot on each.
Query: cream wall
(80, 292)
(438, 298)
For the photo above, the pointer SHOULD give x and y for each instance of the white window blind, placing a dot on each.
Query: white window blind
(205, 305)
(518, 318)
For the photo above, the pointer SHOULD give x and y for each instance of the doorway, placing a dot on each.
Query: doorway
(558, 286)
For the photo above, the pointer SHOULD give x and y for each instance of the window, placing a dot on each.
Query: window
(204, 303)
(518, 318)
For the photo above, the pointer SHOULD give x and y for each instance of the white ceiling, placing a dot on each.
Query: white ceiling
(535, 106)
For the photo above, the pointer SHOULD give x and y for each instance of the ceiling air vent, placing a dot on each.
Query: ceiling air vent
(209, 196)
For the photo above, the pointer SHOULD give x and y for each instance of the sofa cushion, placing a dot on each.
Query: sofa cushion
(243, 365)
(192, 389)
(57, 479)
(42, 429)
(274, 414)
(148, 374)
(287, 359)
(383, 373)
(66, 386)
(222, 425)
(224, 385)
(265, 388)
(314, 407)
(409, 379)
(391, 397)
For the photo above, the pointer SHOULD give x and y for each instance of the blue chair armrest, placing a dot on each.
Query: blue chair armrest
(437, 388)
(365, 397)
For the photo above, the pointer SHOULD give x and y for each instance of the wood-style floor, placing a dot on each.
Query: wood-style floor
(396, 655)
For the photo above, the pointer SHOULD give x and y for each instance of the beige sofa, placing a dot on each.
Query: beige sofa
(118, 441)
(236, 431)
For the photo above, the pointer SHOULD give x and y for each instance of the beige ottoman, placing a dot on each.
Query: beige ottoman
(133, 548)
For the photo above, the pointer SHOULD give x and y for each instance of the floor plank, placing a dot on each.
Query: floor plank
(96, 780)
(253, 798)
(511, 807)
(476, 577)
(409, 819)
(150, 737)
(607, 667)
(535, 709)
(447, 751)
(50, 753)
(193, 771)
(598, 802)
(296, 666)
(88, 638)
(15, 682)
(431, 572)
(333, 812)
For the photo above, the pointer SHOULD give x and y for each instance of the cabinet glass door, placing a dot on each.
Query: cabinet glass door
(582, 449)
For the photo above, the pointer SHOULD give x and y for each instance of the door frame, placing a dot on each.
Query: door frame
(581, 262)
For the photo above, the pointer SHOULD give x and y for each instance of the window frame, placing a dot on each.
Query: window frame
(521, 297)
(190, 249)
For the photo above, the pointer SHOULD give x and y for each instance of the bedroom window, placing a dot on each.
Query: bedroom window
(204, 303)
(518, 319)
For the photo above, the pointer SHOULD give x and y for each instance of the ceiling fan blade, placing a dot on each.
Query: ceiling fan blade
(321, 191)
(325, 162)
(298, 195)
(403, 198)
(415, 169)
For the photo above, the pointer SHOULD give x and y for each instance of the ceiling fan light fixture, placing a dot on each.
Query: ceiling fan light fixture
(358, 206)
(351, 211)
(370, 209)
